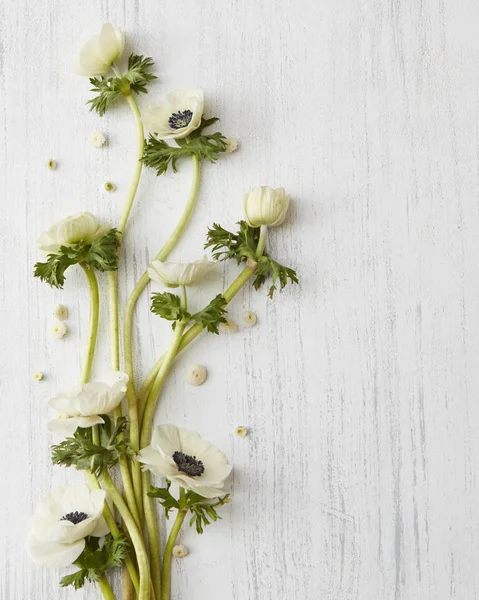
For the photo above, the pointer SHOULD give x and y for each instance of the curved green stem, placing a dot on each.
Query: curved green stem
(128, 328)
(170, 544)
(113, 527)
(135, 534)
(94, 313)
(105, 588)
(140, 139)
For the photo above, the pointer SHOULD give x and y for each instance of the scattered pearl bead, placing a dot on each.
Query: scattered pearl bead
(51, 164)
(58, 330)
(109, 187)
(38, 376)
(231, 145)
(60, 312)
(97, 139)
(249, 318)
(241, 431)
(229, 326)
(180, 551)
(196, 375)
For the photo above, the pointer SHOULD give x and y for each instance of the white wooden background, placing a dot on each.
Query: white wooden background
(361, 385)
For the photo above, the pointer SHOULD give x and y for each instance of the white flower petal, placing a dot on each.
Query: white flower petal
(266, 206)
(156, 118)
(174, 274)
(66, 426)
(53, 554)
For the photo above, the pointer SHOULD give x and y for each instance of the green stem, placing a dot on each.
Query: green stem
(113, 527)
(135, 534)
(114, 328)
(128, 328)
(140, 138)
(105, 588)
(170, 544)
(193, 332)
(263, 232)
(94, 313)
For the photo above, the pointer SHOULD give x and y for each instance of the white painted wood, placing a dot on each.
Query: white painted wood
(360, 386)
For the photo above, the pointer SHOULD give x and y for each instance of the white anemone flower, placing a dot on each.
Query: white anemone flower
(186, 459)
(83, 405)
(177, 116)
(62, 522)
(266, 206)
(173, 274)
(81, 227)
(101, 51)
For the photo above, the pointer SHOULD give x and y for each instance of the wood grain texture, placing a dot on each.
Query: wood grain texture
(361, 385)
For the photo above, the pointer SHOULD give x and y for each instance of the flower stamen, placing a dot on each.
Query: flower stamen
(188, 464)
(75, 517)
(180, 119)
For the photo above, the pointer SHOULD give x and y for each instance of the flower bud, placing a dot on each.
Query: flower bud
(101, 51)
(174, 274)
(266, 206)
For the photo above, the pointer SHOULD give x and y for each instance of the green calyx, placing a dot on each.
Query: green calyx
(110, 89)
(100, 255)
(96, 560)
(159, 155)
(202, 510)
(82, 453)
(243, 246)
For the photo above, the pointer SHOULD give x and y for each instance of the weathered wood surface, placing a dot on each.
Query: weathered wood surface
(361, 385)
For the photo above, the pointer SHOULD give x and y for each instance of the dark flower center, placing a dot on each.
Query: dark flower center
(188, 464)
(180, 119)
(75, 517)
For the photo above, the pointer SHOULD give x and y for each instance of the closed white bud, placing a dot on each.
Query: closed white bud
(266, 206)
(58, 330)
(60, 312)
(229, 326)
(101, 51)
(174, 274)
(180, 551)
(196, 374)
(249, 318)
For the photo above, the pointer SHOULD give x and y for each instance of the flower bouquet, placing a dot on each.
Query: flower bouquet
(108, 425)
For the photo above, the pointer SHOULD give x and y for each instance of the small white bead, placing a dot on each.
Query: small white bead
(196, 375)
(58, 330)
(38, 376)
(60, 312)
(97, 139)
(51, 164)
(241, 431)
(180, 551)
(231, 145)
(249, 318)
(229, 326)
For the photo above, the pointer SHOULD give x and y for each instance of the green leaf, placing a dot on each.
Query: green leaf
(212, 314)
(168, 306)
(96, 560)
(137, 74)
(103, 252)
(53, 270)
(80, 452)
(203, 510)
(165, 498)
(108, 90)
(267, 267)
(159, 155)
(227, 245)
